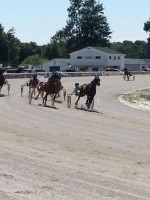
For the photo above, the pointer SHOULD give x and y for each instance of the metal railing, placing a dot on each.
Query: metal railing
(64, 74)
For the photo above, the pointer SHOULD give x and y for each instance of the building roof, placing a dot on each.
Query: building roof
(107, 50)
(133, 61)
(64, 60)
(103, 49)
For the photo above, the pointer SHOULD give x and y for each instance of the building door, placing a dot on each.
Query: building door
(95, 69)
(54, 68)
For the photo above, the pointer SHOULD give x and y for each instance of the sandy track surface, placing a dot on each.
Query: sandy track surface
(72, 154)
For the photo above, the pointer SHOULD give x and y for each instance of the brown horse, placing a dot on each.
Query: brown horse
(52, 87)
(89, 90)
(32, 83)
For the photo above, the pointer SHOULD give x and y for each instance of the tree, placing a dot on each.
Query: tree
(59, 39)
(147, 28)
(3, 49)
(28, 49)
(131, 49)
(51, 51)
(73, 30)
(33, 60)
(13, 47)
(9, 47)
(87, 25)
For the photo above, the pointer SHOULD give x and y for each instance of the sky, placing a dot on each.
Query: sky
(39, 20)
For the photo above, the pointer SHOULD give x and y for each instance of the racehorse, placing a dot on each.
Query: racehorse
(89, 90)
(32, 83)
(52, 87)
(126, 74)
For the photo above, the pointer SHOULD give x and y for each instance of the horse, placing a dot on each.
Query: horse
(126, 74)
(52, 87)
(89, 90)
(32, 83)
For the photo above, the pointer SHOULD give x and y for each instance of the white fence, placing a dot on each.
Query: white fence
(63, 74)
(48, 74)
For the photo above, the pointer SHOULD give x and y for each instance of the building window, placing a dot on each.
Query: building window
(79, 57)
(114, 57)
(95, 69)
(109, 57)
(98, 57)
(87, 57)
(118, 57)
(54, 68)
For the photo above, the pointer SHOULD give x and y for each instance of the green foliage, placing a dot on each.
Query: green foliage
(9, 47)
(146, 97)
(87, 25)
(33, 60)
(147, 28)
(137, 49)
(28, 49)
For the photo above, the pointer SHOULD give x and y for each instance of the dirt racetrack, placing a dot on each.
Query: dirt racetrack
(73, 154)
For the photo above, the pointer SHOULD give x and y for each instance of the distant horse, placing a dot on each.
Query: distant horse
(52, 87)
(126, 74)
(89, 90)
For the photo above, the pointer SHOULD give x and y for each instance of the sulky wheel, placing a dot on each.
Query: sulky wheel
(8, 88)
(21, 90)
(30, 97)
(64, 94)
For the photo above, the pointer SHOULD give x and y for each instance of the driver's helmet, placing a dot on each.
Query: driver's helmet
(34, 76)
(76, 85)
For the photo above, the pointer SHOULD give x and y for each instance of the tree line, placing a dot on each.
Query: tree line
(86, 26)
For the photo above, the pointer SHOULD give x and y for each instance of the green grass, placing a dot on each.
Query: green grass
(146, 97)
(128, 97)
(137, 95)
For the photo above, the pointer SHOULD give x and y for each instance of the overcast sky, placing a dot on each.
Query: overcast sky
(38, 20)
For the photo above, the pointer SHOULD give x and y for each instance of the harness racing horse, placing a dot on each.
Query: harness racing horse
(126, 74)
(52, 87)
(89, 90)
(32, 86)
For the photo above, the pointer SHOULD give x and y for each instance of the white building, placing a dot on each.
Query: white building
(96, 59)
(137, 64)
(57, 64)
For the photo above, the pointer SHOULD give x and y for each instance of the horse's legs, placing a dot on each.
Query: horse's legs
(77, 100)
(38, 95)
(128, 77)
(90, 100)
(87, 101)
(45, 99)
(53, 98)
(34, 91)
